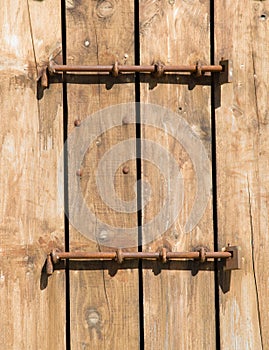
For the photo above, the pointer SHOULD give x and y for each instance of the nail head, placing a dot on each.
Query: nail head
(77, 122)
(125, 170)
(125, 120)
(79, 172)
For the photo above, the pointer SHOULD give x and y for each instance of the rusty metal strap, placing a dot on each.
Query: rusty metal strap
(231, 255)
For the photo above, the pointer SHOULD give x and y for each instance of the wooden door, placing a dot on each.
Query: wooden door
(139, 162)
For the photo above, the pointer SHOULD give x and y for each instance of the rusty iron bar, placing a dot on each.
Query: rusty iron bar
(120, 255)
(231, 256)
(115, 69)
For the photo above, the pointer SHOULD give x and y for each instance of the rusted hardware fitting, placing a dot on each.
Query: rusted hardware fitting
(42, 76)
(231, 256)
(157, 69)
(49, 265)
(198, 71)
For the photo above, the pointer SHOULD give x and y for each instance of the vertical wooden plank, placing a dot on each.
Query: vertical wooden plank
(31, 217)
(242, 152)
(104, 304)
(179, 305)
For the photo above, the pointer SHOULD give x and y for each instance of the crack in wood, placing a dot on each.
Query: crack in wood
(253, 262)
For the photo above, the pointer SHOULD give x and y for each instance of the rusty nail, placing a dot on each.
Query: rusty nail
(125, 170)
(79, 172)
(77, 122)
(115, 69)
(49, 265)
(125, 120)
(198, 71)
(159, 70)
(163, 255)
(44, 78)
(202, 254)
(54, 256)
(119, 256)
(98, 142)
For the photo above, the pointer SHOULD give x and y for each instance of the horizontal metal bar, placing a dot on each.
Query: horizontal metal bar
(115, 69)
(56, 256)
(231, 255)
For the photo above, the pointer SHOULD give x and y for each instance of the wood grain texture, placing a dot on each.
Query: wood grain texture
(104, 308)
(31, 217)
(178, 304)
(242, 149)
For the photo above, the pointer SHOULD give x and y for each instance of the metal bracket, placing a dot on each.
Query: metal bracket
(226, 75)
(235, 261)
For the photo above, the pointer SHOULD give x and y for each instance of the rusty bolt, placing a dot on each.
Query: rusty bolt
(125, 170)
(77, 122)
(79, 172)
(49, 265)
(119, 256)
(125, 120)
(98, 142)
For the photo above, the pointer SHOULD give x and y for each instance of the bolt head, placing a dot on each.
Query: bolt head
(77, 122)
(125, 120)
(125, 170)
(79, 172)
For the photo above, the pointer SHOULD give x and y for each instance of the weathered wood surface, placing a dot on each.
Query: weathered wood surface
(31, 217)
(179, 303)
(104, 309)
(179, 307)
(241, 34)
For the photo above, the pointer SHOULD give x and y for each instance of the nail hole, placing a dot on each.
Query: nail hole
(87, 43)
(263, 17)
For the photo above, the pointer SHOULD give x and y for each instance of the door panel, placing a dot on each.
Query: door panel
(31, 215)
(242, 163)
(104, 304)
(177, 301)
